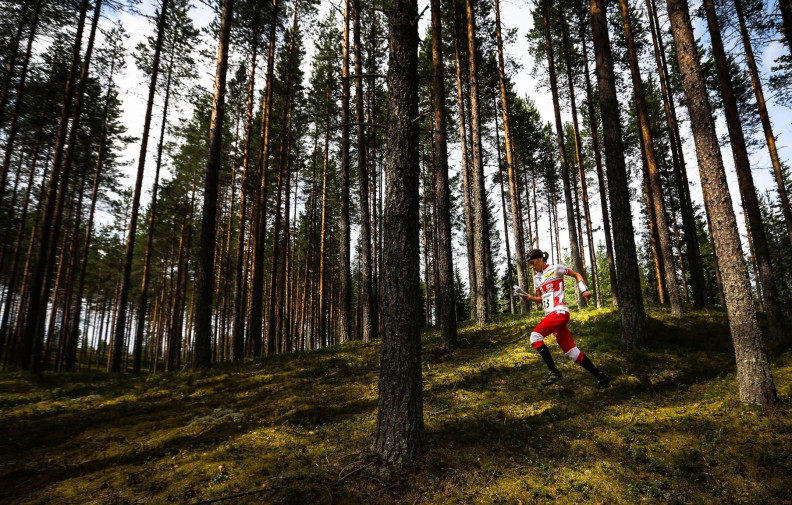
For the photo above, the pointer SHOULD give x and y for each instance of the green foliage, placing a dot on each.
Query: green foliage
(298, 427)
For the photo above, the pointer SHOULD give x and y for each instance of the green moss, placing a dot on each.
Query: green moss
(298, 428)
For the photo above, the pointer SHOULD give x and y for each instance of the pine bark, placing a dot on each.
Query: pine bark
(765, 118)
(631, 310)
(203, 324)
(577, 263)
(446, 306)
(480, 239)
(742, 165)
(655, 183)
(754, 377)
(400, 428)
(118, 333)
(345, 327)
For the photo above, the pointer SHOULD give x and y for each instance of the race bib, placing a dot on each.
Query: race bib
(547, 301)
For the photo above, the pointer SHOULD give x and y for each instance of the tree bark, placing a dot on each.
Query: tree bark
(514, 192)
(118, 333)
(786, 15)
(754, 377)
(758, 239)
(203, 307)
(446, 307)
(345, 326)
(577, 263)
(655, 183)
(631, 310)
(400, 427)
(480, 238)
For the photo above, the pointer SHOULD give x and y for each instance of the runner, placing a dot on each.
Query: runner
(549, 285)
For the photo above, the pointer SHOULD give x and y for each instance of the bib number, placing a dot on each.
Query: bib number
(547, 301)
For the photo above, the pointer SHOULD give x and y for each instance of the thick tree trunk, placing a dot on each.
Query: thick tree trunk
(631, 310)
(203, 307)
(655, 183)
(758, 239)
(400, 426)
(446, 306)
(480, 238)
(754, 377)
(577, 263)
(786, 15)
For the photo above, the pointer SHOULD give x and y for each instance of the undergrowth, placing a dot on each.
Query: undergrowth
(298, 428)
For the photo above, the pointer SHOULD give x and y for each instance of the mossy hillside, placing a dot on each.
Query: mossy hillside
(298, 428)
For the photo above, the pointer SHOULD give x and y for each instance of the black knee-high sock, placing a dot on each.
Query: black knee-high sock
(544, 352)
(588, 365)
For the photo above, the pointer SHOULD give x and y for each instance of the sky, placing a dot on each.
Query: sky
(515, 14)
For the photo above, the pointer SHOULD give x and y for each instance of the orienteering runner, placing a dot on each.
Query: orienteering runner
(549, 285)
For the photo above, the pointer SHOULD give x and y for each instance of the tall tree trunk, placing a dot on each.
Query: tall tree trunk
(469, 241)
(20, 92)
(480, 238)
(321, 328)
(446, 306)
(514, 191)
(754, 377)
(255, 330)
(282, 167)
(595, 146)
(12, 50)
(655, 183)
(118, 334)
(577, 263)
(677, 157)
(32, 333)
(203, 322)
(238, 346)
(631, 310)
(765, 117)
(346, 271)
(368, 323)
(581, 173)
(742, 165)
(400, 427)
(505, 220)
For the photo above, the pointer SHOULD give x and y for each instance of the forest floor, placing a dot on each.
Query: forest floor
(298, 428)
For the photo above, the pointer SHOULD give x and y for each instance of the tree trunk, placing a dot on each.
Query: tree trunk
(505, 221)
(595, 146)
(581, 175)
(758, 239)
(786, 15)
(446, 306)
(400, 428)
(754, 377)
(577, 263)
(346, 275)
(255, 331)
(655, 183)
(118, 334)
(469, 241)
(677, 157)
(203, 322)
(514, 192)
(480, 238)
(631, 310)
(765, 117)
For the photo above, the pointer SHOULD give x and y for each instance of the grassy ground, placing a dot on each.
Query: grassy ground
(298, 428)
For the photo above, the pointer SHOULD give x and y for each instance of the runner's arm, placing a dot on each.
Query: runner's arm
(580, 280)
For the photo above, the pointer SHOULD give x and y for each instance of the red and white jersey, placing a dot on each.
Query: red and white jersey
(550, 284)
